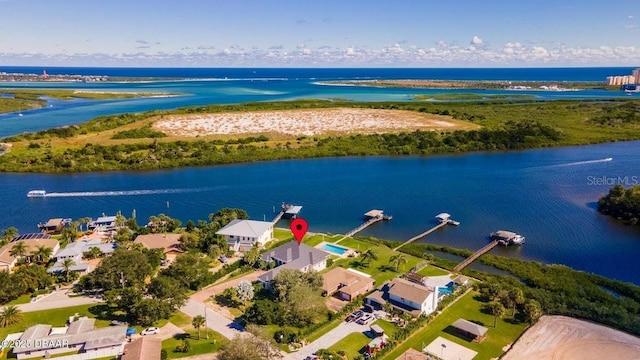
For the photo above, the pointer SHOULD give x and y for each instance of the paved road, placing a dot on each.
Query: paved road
(226, 327)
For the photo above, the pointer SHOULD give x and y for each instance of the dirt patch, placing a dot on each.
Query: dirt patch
(5, 148)
(306, 122)
(565, 338)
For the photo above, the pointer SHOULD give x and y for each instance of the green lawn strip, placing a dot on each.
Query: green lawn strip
(282, 234)
(351, 344)
(432, 271)
(270, 330)
(389, 328)
(198, 347)
(23, 299)
(380, 269)
(468, 308)
(180, 319)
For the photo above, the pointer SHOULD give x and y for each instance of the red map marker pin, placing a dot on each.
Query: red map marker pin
(299, 228)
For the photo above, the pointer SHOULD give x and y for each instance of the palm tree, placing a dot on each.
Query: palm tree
(9, 234)
(197, 322)
(497, 310)
(397, 260)
(95, 252)
(43, 253)
(517, 298)
(10, 315)
(368, 255)
(19, 249)
(66, 265)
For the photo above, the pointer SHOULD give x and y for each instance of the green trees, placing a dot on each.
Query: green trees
(8, 234)
(244, 289)
(397, 261)
(42, 254)
(300, 296)
(197, 322)
(497, 310)
(192, 270)
(257, 346)
(67, 264)
(622, 203)
(10, 315)
(532, 311)
(19, 249)
(367, 256)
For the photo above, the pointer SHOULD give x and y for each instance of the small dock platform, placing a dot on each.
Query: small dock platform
(371, 217)
(287, 211)
(475, 255)
(444, 220)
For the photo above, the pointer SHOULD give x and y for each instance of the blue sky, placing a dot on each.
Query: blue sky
(327, 33)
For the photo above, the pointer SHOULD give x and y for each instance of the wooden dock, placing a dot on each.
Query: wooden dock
(420, 236)
(475, 255)
(363, 226)
(278, 217)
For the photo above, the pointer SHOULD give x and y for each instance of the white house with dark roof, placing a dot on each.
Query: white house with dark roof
(293, 256)
(43, 340)
(242, 235)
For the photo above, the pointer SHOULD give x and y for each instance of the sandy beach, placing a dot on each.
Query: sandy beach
(306, 122)
(565, 338)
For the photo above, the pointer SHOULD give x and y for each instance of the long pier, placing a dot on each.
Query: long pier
(278, 217)
(420, 236)
(363, 226)
(475, 255)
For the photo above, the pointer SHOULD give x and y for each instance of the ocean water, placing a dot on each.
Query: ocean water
(546, 195)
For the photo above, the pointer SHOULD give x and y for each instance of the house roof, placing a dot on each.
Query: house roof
(52, 223)
(105, 220)
(78, 332)
(293, 256)
(248, 228)
(144, 348)
(443, 216)
(78, 265)
(347, 281)
(469, 327)
(30, 244)
(411, 291)
(412, 354)
(168, 242)
(374, 213)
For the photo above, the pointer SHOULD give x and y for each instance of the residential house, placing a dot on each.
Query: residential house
(8, 261)
(169, 243)
(75, 252)
(293, 256)
(406, 296)
(44, 340)
(144, 348)
(348, 283)
(103, 223)
(242, 235)
(54, 225)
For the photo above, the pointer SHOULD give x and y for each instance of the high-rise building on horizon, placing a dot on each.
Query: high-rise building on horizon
(634, 78)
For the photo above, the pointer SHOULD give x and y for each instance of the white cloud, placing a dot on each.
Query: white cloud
(476, 40)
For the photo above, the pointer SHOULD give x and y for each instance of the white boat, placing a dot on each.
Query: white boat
(36, 193)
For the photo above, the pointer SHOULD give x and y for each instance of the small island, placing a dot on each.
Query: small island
(621, 203)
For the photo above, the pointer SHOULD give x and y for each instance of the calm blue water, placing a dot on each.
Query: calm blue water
(546, 195)
(334, 249)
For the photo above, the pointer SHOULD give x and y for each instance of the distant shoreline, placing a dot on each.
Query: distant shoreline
(474, 84)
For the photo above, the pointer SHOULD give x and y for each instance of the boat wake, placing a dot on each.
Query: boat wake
(583, 162)
(122, 193)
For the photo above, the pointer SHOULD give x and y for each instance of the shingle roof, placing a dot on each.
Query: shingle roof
(145, 348)
(168, 242)
(293, 256)
(469, 327)
(248, 228)
(30, 244)
(408, 290)
(351, 282)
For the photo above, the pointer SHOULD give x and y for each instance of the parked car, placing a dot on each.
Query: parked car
(223, 259)
(354, 316)
(150, 331)
(365, 319)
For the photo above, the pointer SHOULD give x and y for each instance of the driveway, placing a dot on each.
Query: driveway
(206, 293)
(327, 340)
(227, 328)
(166, 332)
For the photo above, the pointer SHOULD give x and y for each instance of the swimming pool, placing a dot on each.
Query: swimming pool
(338, 250)
(445, 290)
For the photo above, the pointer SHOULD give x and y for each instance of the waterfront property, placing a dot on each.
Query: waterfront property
(8, 260)
(347, 284)
(75, 251)
(103, 223)
(242, 235)
(334, 249)
(53, 226)
(405, 296)
(80, 335)
(293, 256)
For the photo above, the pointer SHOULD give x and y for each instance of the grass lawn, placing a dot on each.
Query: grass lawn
(282, 234)
(380, 269)
(432, 271)
(389, 328)
(317, 239)
(467, 308)
(351, 344)
(23, 299)
(198, 347)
